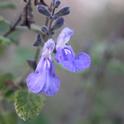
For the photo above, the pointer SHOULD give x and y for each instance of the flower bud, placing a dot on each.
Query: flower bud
(43, 10)
(58, 23)
(44, 29)
(62, 12)
(56, 3)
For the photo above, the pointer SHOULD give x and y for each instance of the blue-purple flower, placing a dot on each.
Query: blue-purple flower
(43, 79)
(65, 54)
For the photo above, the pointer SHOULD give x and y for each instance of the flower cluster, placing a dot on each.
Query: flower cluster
(44, 79)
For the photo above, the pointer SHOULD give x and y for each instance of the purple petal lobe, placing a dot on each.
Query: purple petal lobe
(82, 62)
(35, 82)
(52, 83)
(52, 86)
(64, 37)
(40, 65)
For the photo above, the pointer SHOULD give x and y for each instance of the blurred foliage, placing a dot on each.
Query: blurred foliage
(11, 39)
(97, 52)
(115, 66)
(8, 118)
(14, 37)
(7, 5)
(4, 42)
(6, 80)
(3, 25)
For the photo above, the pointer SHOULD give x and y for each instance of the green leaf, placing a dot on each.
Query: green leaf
(7, 5)
(28, 105)
(41, 119)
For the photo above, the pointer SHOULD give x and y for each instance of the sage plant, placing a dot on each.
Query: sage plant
(43, 80)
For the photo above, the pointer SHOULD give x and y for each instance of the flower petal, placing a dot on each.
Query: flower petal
(48, 46)
(64, 37)
(44, 81)
(64, 54)
(82, 62)
(52, 83)
(66, 57)
(35, 82)
(40, 65)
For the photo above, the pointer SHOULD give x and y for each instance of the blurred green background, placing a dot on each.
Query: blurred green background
(95, 96)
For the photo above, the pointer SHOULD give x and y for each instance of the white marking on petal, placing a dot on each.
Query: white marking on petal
(67, 51)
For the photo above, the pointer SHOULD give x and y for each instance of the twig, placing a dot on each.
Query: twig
(12, 28)
(33, 27)
(27, 19)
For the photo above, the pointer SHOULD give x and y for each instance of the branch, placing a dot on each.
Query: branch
(25, 16)
(12, 28)
(15, 27)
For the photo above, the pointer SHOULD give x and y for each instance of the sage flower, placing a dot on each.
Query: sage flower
(44, 79)
(66, 56)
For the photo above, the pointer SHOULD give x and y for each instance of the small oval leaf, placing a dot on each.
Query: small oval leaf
(58, 23)
(43, 10)
(62, 12)
(28, 105)
(44, 29)
(56, 3)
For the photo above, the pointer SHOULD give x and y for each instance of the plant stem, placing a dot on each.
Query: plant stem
(45, 37)
(12, 29)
